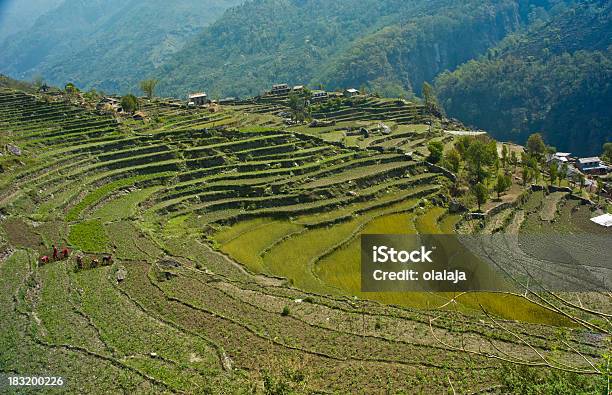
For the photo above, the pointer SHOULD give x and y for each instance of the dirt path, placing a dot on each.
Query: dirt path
(550, 204)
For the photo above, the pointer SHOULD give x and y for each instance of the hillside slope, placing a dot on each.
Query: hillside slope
(392, 46)
(107, 45)
(555, 78)
(17, 16)
(216, 253)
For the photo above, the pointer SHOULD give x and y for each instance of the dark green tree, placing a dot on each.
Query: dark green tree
(553, 173)
(436, 149)
(503, 183)
(129, 103)
(481, 193)
(148, 87)
(600, 185)
(297, 105)
(563, 173)
(452, 160)
(504, 155)
(526, 175)
(71, 89)
(431, 100)
(479, 157)
(462, 144)
(536, 147)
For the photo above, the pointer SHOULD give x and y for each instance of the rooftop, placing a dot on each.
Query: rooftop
(198, 94)
(603, 220)
(589, 160)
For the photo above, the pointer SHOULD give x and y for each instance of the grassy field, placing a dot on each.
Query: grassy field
(236, 256)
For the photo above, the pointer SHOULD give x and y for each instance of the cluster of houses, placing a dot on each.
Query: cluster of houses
(109, 103)
(112, 104)
(201, 99)
(591, 165)
(279, 90)
(316, 95)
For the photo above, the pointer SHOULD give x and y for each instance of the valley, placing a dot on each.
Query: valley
(215, 249)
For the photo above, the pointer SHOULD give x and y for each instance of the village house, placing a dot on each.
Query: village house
(351, 92)
(139, 116)
(319, 96)
(560, 158)
(109, 104)
(280, 89)
(604, 220)
(298, 88)
(591, 165)
(198, 99)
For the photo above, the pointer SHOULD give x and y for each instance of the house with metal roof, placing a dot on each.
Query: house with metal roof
(351, 92)
(591, 165)
(280, 89)
(603, 220)
(198, 99)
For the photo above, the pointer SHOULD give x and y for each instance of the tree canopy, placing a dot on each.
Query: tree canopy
(554, 78)
(436, 148)
(536, 146)
(129, 103)
(148, 87)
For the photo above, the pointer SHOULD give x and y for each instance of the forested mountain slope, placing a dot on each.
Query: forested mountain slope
(108, 44)
(17, 16)
(555, 78)
(391, 46)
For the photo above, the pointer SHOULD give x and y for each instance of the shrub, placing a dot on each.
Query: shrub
(71, 89)
(378, 324)
(435, 151)
(129, 103)
(285, 311)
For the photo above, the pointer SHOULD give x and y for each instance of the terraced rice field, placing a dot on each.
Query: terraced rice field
(234, 244)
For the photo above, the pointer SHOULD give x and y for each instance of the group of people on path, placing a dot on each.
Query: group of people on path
(95, 262)
(65, 253)
(56, 255)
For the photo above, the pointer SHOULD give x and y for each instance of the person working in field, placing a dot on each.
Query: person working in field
(65, 253)
(55, 252)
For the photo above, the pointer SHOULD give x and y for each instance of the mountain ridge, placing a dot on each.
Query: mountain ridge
(322, 43)
(107, 45)
(545, 79)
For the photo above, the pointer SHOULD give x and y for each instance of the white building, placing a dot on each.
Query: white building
(351, 92)
(603, 220)
(319, 95)
(280, 89)
(198, 99)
